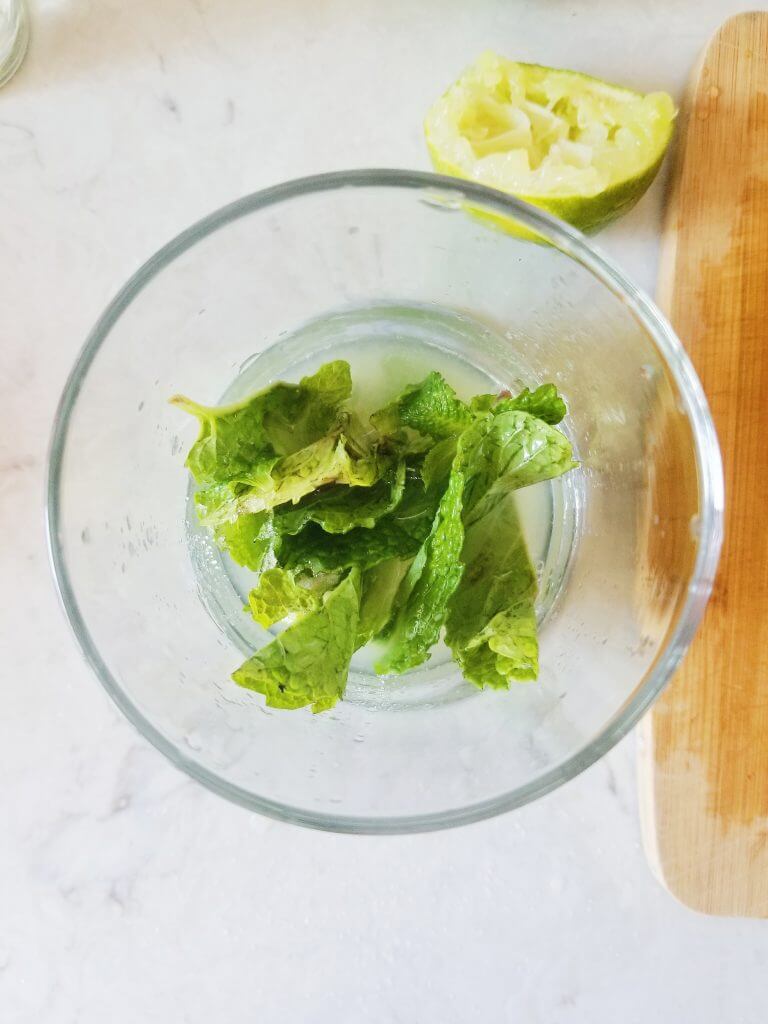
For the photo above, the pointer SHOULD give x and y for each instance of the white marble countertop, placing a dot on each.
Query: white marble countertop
(128, 893)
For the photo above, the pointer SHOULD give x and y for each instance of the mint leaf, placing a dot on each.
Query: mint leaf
(380, 586)
(308, 663)
(544, 403)
(497, 454)
(430, 408)
(491, 626)
(438, 461)
(317, 551)
(294, 476)
(481, 404)
(282, 419)
(428, 585)
(277, 595)
(399, 534)
(339, 509)
(246, 539)
(510, 449)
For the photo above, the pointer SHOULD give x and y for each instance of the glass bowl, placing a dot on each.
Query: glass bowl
(399, 271)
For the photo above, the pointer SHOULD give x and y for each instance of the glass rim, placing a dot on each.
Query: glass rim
(708, 463)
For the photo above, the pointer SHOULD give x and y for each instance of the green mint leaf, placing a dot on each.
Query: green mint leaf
(431, 580)
(399, 534)
(508, 450)
(430, 408)
(497, 454)
(280, 420)
(308, 663)
(482, 404)
(317, 551)
(247, 539)
(294, 476)
(491, 625)
(380, 587)
(339, 509)
(277, 595)
(544, 403)
(437, 463)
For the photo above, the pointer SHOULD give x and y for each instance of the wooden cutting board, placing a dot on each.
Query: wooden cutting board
(704, 747)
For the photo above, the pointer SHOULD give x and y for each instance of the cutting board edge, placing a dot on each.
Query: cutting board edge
(650, 834)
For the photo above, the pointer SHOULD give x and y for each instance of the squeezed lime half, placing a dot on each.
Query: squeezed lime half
(580, 148)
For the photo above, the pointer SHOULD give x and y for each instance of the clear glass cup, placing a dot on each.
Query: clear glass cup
(14, 37)
(297, 274)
